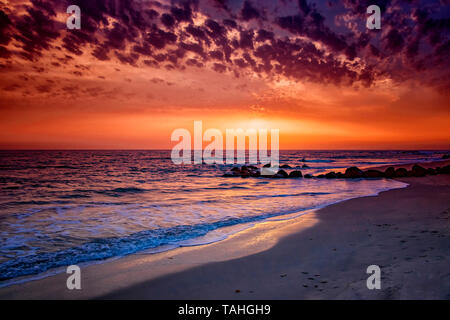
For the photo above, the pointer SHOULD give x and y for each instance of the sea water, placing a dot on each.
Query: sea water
(59, 208)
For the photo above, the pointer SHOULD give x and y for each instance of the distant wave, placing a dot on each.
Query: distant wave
(320, 161)
(116, 192)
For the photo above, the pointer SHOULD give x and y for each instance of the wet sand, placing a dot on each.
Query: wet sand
(320, 255)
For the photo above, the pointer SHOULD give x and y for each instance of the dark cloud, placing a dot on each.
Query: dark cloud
(219, 67)
(246, 39)
(264, 35)
(4, 53)
(302, 40)
(182, 14)
(393, 41)
(216, 54)
(4, 26)
(249, 12)
(167, 20)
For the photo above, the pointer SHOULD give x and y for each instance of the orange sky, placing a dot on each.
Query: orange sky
(86, 103)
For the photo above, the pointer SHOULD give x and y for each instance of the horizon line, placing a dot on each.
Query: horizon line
(157, 149)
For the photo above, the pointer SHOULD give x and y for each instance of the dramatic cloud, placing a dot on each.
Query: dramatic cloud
(300, 40)
(311, 64)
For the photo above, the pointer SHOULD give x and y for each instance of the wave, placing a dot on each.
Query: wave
(114, 247)
(104, 248)
(35, 202)
(117, 192)
(320, 161)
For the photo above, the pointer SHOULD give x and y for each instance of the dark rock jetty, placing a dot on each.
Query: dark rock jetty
(350, 173)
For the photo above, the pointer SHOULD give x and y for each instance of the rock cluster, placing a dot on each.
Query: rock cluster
(350, 173)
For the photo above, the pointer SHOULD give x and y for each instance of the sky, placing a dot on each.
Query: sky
(138, 69)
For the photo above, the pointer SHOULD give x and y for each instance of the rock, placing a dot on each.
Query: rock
(255, 174)
(431, 171)
(320, 176)
(235, 173)
(353, 172)
(282, 173)
(285, 166)
(373, 174)
(295, 174)
(252, 167)
(245, 174)
(305, 166)
(340, 175)
(236, 169)
(331, 175)
(244, 168)
(390, 172)
(419, 171)
(266, 165)
(308, 176)
(400, 173)
(438, 170)
(446, 170)
(446, 156)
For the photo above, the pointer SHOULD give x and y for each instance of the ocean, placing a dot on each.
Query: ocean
(59, 208)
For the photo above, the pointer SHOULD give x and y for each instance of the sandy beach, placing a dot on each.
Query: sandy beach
(321, 255)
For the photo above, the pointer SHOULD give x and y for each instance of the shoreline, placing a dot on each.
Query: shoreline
(123, 275)
(168, 248)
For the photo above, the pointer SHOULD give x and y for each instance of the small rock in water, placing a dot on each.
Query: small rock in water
(295, 174)
(373, 174)
(418, 171)
(282, 173)
(445, 170)
(390, 172)
(353, 172)
(400, 172)
(331, 175)
(255, 174)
